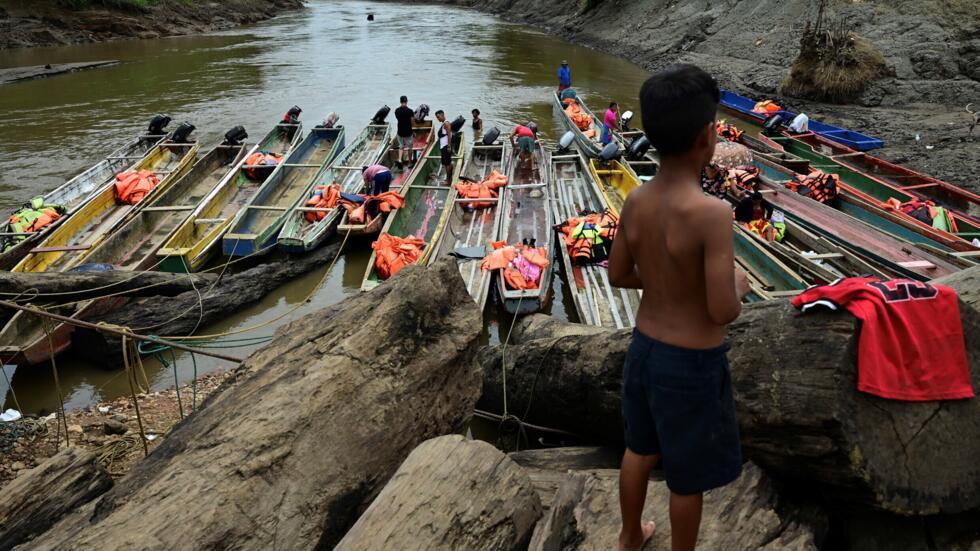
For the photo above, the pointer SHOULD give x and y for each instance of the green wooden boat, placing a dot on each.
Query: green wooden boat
(768, 276)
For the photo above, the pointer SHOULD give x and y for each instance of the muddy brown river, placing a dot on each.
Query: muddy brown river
(325, 58)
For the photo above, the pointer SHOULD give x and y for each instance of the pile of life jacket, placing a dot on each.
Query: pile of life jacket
(766, 107)
(926, 212)
(260, 164)
(360, 207)
(393, 253)
(484, 189)
(729, 131)
(32, 217)
(133, 185)
(817, 185)
(521, 265)
(581, 119)
(773, 229)
(324, 197)
(743, 177)
(590, 235)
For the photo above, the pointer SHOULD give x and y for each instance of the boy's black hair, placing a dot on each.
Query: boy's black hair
(612, 104)
(677, 103)
(476, 112)
(403, 99)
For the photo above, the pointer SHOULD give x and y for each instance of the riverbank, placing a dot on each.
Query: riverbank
(933, 48)
(33, 23)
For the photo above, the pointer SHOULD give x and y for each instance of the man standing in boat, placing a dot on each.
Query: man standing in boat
(564, 76)
(445, 135)
(610, 122)
(404, 115)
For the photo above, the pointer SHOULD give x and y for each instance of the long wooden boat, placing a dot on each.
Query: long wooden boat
(257, 225)
(850, 138)
(423, 142)
(590, 146)
(196, 239)
(299, 235)
(615, 181)
(528, 215)
(597, 301)
(428, 202)
(768, 276)
(896, 255)
(75, 192)
(470, 232)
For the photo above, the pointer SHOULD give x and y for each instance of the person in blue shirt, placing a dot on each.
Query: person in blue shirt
(564, 76)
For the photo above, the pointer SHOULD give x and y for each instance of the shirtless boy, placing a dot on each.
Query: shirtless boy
(676, 244)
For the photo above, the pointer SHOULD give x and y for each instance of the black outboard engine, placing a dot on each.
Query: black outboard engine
(183, 132)
(158, 126)
(625, 119)
(235, 136)
(565, 143)
(381, 115)
(610, 153)
(491, 136)
(638, 148)
(773, 125)
(457, 123)
(421, 112)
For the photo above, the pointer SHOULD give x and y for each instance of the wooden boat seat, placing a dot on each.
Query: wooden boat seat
(918, 264)
(209, 220)
(264, 207)
(168, 209)
(66, 248)
(824, 256)
(919, 186)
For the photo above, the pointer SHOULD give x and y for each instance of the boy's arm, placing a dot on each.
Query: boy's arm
(622, 267)
(724, 294)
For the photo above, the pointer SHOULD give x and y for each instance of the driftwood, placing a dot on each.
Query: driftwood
(38, 498)
(291, 454)
(800, 414)
(72, 286)
(183, 314)
(583, 511)
(450, 493)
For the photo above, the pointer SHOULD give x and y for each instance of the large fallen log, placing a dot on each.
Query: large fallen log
(800, 414)
(450, 493)
(72, 286)
(38, 498)
(583, 512)
(291, 454)
(183, 314)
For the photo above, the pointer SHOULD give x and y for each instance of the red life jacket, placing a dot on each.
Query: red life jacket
(818, 185)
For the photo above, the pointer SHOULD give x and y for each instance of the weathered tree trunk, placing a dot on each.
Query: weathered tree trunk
(583, 511)
(290, 455)
(188, 311)
(800, 414)
(38, 498)
(72, 286)
(450, 493)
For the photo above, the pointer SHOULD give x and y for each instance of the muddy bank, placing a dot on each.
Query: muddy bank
(933, 49)
(29, 23)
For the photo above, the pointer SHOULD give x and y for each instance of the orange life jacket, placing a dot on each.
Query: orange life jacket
(132, 186)
(357, 213)
(729, 131)
(485, 189)
(259, 165)
(766, 106)
(923, 211)
(509, 259)
(761, 227)
(583, 235)
(394, 253)
(581, 119)
(817, 185)
(744, 177)
(324, 197)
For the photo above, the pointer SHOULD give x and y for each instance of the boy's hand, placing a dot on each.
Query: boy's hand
(742, 286)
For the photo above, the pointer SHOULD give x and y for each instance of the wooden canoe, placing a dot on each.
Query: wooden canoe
(299, 235)
(195, 240)
(73, 194)
(597, 301)
(256, 227)
(423, 144)
(428, 202)
(468, 230)
(768, 276)
(528, 215)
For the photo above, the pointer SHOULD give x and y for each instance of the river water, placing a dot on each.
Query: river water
(325, 58)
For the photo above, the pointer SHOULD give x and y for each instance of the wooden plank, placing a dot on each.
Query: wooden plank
(912, 264)
(264, 207)
(823, 256)
(967, 254)
(61, 249)
(168, 209)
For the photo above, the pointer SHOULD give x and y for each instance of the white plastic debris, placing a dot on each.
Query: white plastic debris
(10, 415)
(151, 437)
(930, 147)
(104, 409)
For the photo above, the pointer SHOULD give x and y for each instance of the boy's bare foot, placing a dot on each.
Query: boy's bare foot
(647, 529)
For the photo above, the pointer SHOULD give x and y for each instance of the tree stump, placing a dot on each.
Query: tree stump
(450, 493)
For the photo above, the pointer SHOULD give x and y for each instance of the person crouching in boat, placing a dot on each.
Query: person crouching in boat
(445, 135)
(377, 180)
(610, 122)
(523, 139)
(753, 212)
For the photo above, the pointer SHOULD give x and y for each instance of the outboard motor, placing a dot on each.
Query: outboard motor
(235, 136)
(381, 115)
(566, 141)
(457, 124)
(625, 119)
(638, 148)
(292, 116)
(158, 126)
(329, 121)
(773, 125)
(421, 112)
(183, 132)
(610, 152)
(491, 136)
(533, 126)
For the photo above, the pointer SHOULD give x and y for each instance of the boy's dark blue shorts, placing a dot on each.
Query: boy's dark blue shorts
(678, 402)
